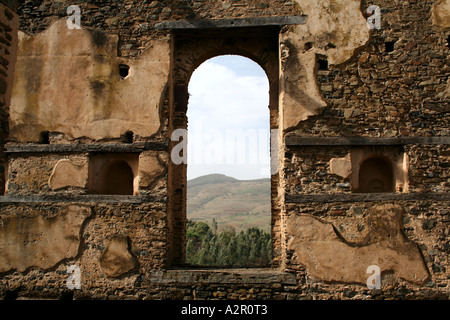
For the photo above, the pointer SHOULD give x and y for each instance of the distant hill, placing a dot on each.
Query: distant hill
(211, 179)
(238, 203)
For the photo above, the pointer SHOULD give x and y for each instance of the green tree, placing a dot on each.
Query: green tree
(206, 247)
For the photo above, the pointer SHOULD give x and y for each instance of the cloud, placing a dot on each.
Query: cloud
(228, 116)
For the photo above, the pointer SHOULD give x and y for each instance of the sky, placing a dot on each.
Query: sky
(228, 119)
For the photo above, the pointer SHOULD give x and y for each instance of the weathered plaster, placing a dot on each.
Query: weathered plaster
(440, 13)
(116, 258)
(10, 25)
(66, 173)
(67, 80)
(329, 257)
(150, 168)
(335, 29)
(39, 241)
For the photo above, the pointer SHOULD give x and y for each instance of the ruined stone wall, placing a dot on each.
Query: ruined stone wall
(396, 86)
(340, 94)
(393, 88)
(9, 27)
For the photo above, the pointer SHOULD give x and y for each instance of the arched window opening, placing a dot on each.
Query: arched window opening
(376, 175)
(228, 168)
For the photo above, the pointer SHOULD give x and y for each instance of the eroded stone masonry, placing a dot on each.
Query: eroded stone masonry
(359, 104)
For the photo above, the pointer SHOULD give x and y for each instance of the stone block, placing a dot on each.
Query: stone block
(150, 168)
(341, 167)
(116, 259)
(440, 13)
(38, 241)
(68, 173)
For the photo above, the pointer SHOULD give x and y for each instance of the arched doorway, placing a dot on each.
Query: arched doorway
(228, 164)
(189, 50)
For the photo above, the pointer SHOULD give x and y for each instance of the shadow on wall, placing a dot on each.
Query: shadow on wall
(113, 174)
(375, 175)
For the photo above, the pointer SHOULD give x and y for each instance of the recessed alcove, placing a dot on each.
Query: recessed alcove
(375, 175)
(113, 174)
(377, 169)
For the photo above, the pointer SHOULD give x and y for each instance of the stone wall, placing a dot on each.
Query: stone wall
(9, 22)
(395, 87)
(115, 90)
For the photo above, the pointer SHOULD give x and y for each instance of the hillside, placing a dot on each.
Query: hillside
(239, 203)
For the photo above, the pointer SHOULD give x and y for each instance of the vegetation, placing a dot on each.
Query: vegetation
(238, 203)
(206, 247)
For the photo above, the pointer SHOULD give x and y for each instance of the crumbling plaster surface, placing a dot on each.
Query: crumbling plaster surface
(38, 241)
(68, 173)
(67, 80)
(328, 256)
(116, 259)
(440, 13)
(151, 167)
(440, 16)
(335, 29)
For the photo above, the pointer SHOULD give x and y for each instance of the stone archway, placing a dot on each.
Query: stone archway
(189, 50)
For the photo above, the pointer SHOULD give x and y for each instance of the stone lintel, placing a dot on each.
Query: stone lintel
(231, 23)
(297, 141)
(367, 197)
(82, 198)
(223, 276)
(80, 148)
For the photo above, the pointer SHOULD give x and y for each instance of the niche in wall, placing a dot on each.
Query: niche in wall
(376, 175)
(379, 169)
(114, 173)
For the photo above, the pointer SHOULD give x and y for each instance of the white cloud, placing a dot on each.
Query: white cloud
(228, 94)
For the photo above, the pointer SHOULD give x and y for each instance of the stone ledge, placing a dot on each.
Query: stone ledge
(82, 199)
(231, 23)
(297, 141)
(366, 197)
(80, 148)
(223, 276)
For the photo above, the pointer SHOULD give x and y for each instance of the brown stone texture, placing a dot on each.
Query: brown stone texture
(341, 167)
(8, 51)
(151, 168)
(67, 80)
(329, 258)
(116, 259)
(68, 174)
(75, 128)
(33, 174)
(301, 97)
(441, 13)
